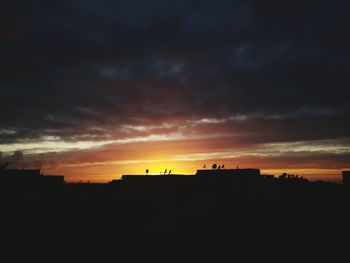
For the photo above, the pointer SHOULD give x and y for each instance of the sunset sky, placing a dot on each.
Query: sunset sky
(96, 89)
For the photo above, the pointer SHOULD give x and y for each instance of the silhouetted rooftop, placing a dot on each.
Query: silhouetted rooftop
(346, 177)
(29, 175)
(251, 172)
(20, 172)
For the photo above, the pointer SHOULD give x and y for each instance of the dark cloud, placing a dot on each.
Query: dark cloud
(87, 69)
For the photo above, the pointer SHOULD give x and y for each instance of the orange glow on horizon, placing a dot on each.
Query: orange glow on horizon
(96, 162)
(102, 173)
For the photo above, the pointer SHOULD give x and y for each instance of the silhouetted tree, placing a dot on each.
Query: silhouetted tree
(214, 166)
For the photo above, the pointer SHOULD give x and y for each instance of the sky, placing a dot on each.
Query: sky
(97, 89)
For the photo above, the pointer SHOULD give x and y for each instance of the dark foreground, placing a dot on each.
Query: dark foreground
(176, 220)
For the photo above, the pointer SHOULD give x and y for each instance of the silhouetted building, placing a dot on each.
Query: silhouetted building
(154, 180)
(29, 176)
(30, 185)
(17, 173)
(247, 172)
(346, 177)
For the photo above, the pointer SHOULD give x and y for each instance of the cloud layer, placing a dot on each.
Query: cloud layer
(82, 76)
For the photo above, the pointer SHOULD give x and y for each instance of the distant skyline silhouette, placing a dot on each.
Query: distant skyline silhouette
(226, 215)
(311, 174)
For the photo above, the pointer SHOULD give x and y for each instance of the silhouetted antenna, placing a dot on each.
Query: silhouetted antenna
(147, 171)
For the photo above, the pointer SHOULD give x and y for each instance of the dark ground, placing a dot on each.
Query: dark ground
(180, 220)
